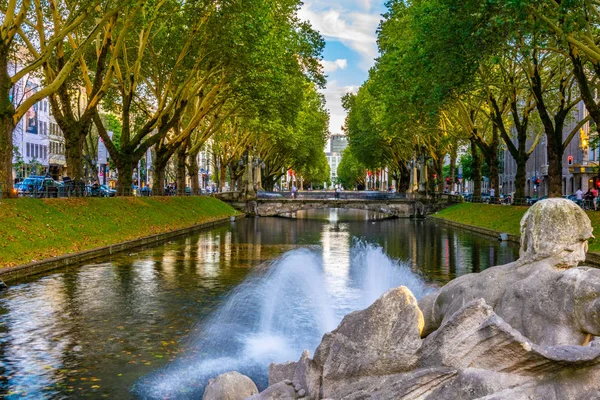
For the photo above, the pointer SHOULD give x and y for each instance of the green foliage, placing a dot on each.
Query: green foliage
(351, 172)
(466, 162)
(19, 163)
(300, 145)
(112, 123)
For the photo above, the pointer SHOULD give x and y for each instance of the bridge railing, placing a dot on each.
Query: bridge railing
(331, 195)
(360, 195)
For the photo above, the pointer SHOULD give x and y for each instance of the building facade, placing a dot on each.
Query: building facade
(336, 145)
(30, 136)
(57, 161)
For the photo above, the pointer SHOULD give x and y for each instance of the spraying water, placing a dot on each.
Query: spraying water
(279, 311)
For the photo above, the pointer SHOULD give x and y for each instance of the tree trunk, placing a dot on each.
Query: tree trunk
(553, 130)
(159, 165)
(193, 170)
(7, 126)
(74, 139)
(158, 177)
(587, 92)
(404, 179)
(268, 183)
(492, 160)
(453, 157)
(180, 172)
(476, 169)
(520, 178)
(125, 181)
(555, 154)
(222, 176)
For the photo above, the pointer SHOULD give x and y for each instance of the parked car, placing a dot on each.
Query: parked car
(39, 186)
(107, 191)
(101, 191)
(18, 187)
(146, 191)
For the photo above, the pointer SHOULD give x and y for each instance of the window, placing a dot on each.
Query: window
(36, 153)
(45, 152)
(28, 150)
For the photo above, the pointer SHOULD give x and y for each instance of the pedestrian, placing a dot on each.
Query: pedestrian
(579, 196)
(294, 191)
(492, 193)
(337, 192)
(595, 198)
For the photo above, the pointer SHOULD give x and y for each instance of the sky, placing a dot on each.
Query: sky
(349, 29)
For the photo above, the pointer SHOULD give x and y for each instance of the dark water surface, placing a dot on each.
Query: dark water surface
(108, 329)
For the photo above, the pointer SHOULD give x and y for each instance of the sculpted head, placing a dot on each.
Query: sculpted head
(556, 228)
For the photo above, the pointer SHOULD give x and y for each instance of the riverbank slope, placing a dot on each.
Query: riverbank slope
(503, 219)
(38, 229)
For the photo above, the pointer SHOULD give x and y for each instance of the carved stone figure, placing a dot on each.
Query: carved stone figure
(543, 295)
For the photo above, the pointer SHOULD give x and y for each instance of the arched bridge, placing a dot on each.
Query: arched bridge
(393, 205)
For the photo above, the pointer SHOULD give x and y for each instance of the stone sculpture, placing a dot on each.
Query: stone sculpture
(518, 331)
(544, 295)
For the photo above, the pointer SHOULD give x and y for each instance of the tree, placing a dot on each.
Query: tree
(75, 102)
(183, 61)
(30, 34)
(298, 146)
(351, 172)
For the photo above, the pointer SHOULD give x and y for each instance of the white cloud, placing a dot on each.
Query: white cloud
(356, 30)
(333, 96)
(331, 66)
(353, 23)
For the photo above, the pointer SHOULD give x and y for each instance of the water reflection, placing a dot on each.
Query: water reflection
(92, 331)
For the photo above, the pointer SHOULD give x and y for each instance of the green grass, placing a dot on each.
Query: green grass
(36, 229)
(505, 219)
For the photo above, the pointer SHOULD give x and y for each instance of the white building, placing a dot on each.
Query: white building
(57, 161)
(336, 145)
(31, 133)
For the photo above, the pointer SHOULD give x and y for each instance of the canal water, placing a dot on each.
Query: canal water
(158, 323)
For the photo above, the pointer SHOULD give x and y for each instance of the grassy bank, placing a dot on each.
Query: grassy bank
(505, 219)
(36, 229)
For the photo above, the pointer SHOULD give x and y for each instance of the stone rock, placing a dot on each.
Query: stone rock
(405, 386)
(230, 386)
(475, 337)
(3, 285)
(584, 384)
(380, 340)
(281, 372)
(542, 295)
(476, 354)
(278, 391)
(307, 376)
